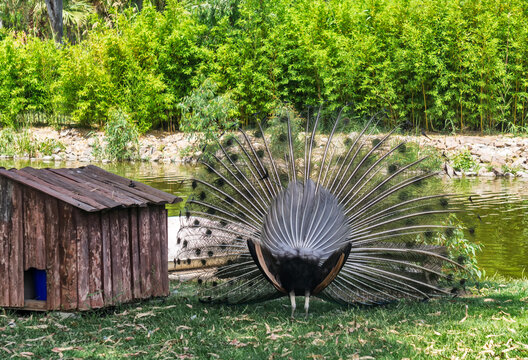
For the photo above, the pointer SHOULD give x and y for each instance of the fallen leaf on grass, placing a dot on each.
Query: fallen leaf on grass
(26, 354)
(237, 343)
(142, 315)
(68, 348)
(489, 300)
(138, 353)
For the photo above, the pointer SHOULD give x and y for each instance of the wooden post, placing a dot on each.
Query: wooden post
(53, 254)
(68, 256)
(96, 256)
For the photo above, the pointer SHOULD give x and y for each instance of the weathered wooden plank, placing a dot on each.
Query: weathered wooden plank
(29, 234)
(52, 254)
(156, 250)
(164, 244)
(51, 190)
(108, 296)
(83, 262)
(39, 219)
(134, 253)
(4, 274)
(34, 230)
(95, 259)
(68, 251)
(16, 260)
(125, 255)
(154, 195)
(6, 190)
(117, 271)
(145, 252)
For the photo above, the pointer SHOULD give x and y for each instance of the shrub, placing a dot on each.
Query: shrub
(121, 141)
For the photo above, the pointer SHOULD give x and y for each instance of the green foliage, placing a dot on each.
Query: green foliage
(441, 65)
(121, 141)
(22, 143)
(278, 131)
(460, 249)
(206, 113)
(463, 161)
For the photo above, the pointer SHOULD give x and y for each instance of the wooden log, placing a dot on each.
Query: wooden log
(156, 250)
(115, 244)
(145, 251)
(68, 252)
(108, 297)
(52, 254)
(134, 253)
(29, 238)
(83, 262)
(16, 260)
(95, 258)
(164, 243)
(124, 235)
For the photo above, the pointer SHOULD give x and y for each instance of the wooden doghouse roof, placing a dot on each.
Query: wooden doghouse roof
(90, 188)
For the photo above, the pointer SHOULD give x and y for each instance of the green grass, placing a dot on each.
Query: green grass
(180, 327)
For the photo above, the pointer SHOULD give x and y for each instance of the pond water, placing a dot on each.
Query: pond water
(502, 232)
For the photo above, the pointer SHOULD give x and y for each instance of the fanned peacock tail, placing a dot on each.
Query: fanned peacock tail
(336, 218)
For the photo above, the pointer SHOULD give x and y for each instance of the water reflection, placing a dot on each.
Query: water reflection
(503, 230)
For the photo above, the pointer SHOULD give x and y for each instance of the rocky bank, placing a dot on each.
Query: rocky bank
(494, 155)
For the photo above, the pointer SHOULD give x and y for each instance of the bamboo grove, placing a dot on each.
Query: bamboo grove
(442, 65)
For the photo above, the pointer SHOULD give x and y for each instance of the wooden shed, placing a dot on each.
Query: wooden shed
(78, 239)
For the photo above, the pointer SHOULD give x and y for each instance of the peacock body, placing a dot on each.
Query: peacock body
(282, 215)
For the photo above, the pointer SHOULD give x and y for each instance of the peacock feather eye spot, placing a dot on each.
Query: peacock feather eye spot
(223, 223)
(202, 196)
(233, 157)
(210, 168)
(282, 138)
(444, 203)
(214, 283)
(188, 261)
(258, 134)
(428, 234)
(208, 232)
(200, 281)
(223, 245)
(219, 182)
(178, 261)
(178, 241)
(230, 262)
(194, 184)
(210, 253)
(229, 199)
(196, 222)
(449, 232)
(260, 153)
(187, 214)
(228, 142)
(211, 211)
(392, 168)
(198, 252)
(184, 243)
(239, 238)
(348, 142)
(204, 262)
(461, 259)
(471, 230)
(402, 149)
(375, 142)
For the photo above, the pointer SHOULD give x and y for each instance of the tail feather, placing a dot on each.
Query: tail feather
(299, 199)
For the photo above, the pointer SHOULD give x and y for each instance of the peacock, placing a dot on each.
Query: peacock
(344, 217)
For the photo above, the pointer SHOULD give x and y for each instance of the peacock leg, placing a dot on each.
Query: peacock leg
(293, 305)
(306, 303)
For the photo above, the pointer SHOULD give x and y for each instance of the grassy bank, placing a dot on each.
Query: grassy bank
(490, 322)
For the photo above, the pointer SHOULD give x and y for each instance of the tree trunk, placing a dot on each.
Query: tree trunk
(55, 16)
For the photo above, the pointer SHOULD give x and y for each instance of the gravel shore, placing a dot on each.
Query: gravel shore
(494, 154)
